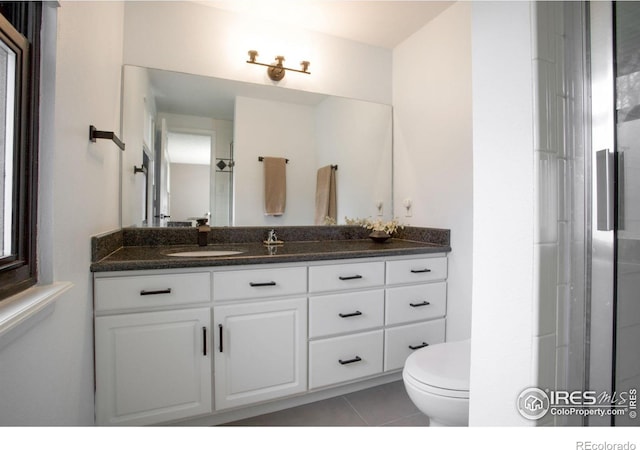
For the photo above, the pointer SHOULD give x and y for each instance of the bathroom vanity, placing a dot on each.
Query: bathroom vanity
(221, 337)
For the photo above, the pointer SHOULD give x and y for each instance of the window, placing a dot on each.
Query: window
(19, 83)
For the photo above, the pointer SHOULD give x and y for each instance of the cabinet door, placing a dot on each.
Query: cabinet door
(260, 351)
(152, 367)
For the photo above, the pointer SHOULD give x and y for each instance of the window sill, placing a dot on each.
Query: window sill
(21, 308)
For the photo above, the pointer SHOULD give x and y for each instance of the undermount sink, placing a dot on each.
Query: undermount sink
(205, 253)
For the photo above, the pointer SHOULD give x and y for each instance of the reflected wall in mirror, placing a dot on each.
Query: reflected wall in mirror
(235, 123)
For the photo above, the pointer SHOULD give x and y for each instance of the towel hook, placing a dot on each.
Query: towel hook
(141, 169)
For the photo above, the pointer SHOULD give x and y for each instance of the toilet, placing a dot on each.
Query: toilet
(437, 381)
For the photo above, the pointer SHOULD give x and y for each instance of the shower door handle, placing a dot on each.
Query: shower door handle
(605, 189)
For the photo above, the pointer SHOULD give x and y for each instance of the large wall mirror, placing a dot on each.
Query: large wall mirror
(194, 146)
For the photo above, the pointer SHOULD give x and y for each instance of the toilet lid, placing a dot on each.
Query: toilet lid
(445, 365)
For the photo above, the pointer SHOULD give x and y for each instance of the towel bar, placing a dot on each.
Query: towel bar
(261, 158)
(97, 134)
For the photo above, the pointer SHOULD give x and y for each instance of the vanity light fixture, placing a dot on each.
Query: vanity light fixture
(276, 70)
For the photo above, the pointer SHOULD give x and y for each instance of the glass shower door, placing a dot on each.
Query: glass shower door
(614, 314)
(627, 233)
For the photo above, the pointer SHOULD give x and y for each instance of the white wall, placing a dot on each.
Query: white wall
(47, 372)
(137, 101)
(268, 128)
(433, 145)
(356, 136)
(193, 38)
(189, 190)
(502, 353)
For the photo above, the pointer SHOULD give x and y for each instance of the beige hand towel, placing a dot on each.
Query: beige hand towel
(325, 195)
(275, 185)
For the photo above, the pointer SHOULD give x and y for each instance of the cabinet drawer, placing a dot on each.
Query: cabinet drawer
(345, 313)
(416, 270)
(346, 276)
(416, 302)
(401, 341)
(257, 283)
(148, 291)
(345, 358)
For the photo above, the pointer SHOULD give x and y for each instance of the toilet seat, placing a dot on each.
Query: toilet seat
(441, 369)
(428, 389)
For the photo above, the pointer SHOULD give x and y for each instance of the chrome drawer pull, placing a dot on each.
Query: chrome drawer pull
(349, 361)
(415, 305)
(268, 283)
(353, 277)
(420, 270)
(162, 291)
(416, 347)
(357, 313)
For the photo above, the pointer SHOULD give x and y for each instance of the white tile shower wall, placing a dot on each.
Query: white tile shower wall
(546, 213)
(559, 210)
(545, 291)
(574, 153)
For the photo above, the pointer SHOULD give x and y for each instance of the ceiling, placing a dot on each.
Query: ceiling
(379, 23)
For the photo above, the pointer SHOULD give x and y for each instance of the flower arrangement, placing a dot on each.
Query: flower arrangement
(329, 221)
(389, 227)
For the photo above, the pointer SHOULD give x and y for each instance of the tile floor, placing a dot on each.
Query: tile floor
(385, 405)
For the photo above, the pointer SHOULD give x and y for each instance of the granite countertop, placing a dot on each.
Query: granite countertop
(113, 252)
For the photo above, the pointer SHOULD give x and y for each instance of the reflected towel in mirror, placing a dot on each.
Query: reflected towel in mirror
(275, 185)
(326, 195)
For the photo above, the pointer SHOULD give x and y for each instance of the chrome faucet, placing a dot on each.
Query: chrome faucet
(272, 238)
(203, 231)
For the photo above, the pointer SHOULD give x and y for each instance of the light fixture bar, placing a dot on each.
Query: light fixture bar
(277, 70)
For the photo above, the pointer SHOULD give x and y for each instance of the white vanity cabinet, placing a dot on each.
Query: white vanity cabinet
(345, 322)
(260, 344)
(415, 307)
(366, 318)
(152, 351)
(220, 341)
